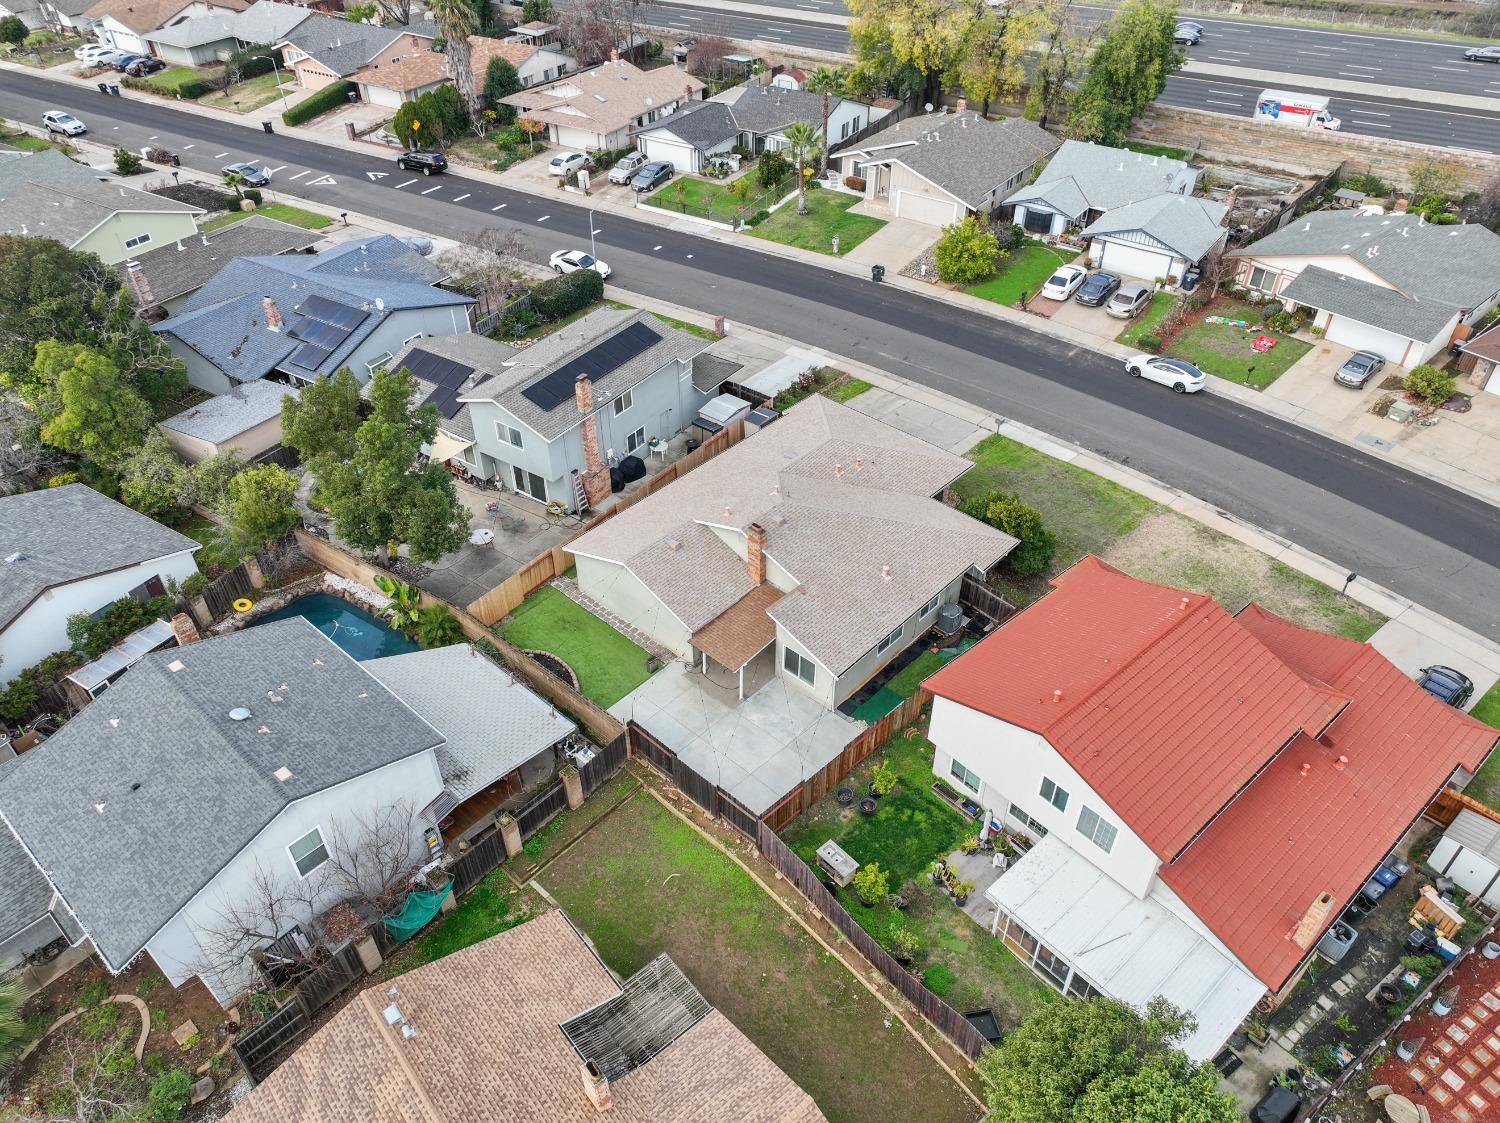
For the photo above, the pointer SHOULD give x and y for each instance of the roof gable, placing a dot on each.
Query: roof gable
(964, 154)
(1103, 177)
(1185, 224)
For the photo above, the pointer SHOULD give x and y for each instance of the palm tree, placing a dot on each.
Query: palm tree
(235, 180)
(825, 80)
(405, 606)
(438, 627)
(456, 21)
(805, 145)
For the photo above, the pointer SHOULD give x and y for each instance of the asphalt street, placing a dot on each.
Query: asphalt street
(1419, 538)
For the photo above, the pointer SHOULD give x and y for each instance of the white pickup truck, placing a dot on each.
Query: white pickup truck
(1294, 111)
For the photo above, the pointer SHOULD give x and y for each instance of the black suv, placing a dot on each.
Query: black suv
(424, 162)
(1097, 289)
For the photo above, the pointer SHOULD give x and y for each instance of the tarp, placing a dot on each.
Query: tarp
(419, 907)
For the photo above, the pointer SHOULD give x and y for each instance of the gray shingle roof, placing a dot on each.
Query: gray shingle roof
(1369, 303)
(1100, 177)
(127, 858)
(68, 533)
(482, 355)
(24, 892)
(46, 166)
(965, 154)
(1183, 223)
(703, 124)
(47, 195)
(492, 722)
(551, 352)
(228, 415)
(769, 109)
(183, 266)
(263, 22)
(340, 45)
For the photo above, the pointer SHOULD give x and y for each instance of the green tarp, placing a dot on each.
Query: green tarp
(419, 907)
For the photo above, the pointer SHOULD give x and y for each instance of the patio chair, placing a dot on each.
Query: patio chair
(1378, 1092)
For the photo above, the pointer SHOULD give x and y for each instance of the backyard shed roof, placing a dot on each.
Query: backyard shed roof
(227, 415)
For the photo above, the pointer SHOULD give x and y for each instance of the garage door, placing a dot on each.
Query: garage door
(1134, 261)
(676, 153)
(1362, 337)
(925, 208)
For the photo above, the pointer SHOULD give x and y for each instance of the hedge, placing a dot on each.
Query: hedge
(329, 97)
(190, 90)
(562, 296)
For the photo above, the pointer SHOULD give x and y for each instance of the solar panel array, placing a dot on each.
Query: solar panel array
(446, 376)
(322, 326)
(556, 388)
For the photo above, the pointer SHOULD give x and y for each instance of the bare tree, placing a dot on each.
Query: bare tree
(23, 456)
(491, 267)
(395, 11)
(1485, 209)
(370, 856)
(708, 58)
(591, 29)
(80, 1077)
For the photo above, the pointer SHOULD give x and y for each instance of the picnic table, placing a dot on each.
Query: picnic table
(1399, 1109)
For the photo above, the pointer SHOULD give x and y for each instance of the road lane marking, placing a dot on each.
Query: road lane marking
(655, 248)
(185, 147)
(1372, 124)
(321, 181)
(1231, 104)
(408, 183)
(544, 218)
(377, 175)
(462, 197)
(501, 207)
(1228, 93)
(273, 171)
(430, 190)
(1454, 69)
(153, 138)
(1369, 113)
(221, 155)
(299, 175)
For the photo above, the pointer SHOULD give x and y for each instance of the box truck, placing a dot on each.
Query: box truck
(1297, 111)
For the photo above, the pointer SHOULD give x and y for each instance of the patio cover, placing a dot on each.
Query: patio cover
(1130, 949)
(445, 448)
(742, 631)
(777, 376)
(127, 653)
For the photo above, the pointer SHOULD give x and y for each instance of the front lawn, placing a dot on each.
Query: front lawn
(1485, 786)
(172, 79)
(1149, 321)
(704, 199)
(608, 665)
(851, 387)
(251, 94)
(282, 212)
(25, 142)
(643, 882)
(1024, 269)
(828, 214)
(1224, 350)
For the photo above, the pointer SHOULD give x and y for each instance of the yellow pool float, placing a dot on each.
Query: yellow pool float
(243, 604)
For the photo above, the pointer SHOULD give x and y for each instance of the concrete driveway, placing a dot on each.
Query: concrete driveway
(919, 419)
(1309, 383)
(1413, 642)
(893, 245)
(1081, 317)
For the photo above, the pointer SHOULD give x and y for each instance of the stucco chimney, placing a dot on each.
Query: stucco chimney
(272, 313)
(755, 553)
(138, 282)
(1401, 205)
(1229, 201)
(960, 105)
(596, 1087)
(595, 471)
(1313, 921)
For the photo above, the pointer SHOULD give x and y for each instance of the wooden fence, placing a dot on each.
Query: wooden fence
(702, 791)
(1445, 808)
(507, 596)
(982, 600)
(264, 1047)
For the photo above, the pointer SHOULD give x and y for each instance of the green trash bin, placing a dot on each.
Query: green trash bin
(877, 273)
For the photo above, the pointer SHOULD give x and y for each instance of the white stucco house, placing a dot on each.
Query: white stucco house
(125, 24)
(203, 39)
(65, 550)
(1203, 794)
(1393, 284)
(1084, 181)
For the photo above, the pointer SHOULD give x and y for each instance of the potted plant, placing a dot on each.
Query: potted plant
(870, 884)
(904, 943)
(882, 780)
(961, 892)
(1255, 1030)
(939, 872)
(969, 845)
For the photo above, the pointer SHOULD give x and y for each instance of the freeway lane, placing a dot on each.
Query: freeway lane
(1423, 540)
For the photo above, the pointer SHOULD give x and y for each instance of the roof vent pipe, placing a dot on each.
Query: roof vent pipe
(885, 572)
(1057, 696)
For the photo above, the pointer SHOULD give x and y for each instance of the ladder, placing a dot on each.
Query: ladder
(580, 497)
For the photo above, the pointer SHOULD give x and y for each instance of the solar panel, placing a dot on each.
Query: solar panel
(332, 312)
(321, 334)
(310, 356)
(446, 375)
(604, 357)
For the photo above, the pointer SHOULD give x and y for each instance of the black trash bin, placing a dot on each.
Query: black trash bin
(176, 160)
(104, 88)
(267, 126)
(877, 273)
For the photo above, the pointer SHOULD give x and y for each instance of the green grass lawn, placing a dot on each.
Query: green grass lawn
(172, 78)
(1485, 786)
(1149, 321)
(1156, 150)
(683, 325)
(851, 387)
(828, 214)
(608, 665)
(703, 199)
(248, 95)
(1225, 351)
(216, 552)
(1024, 269)
(24, 142)
(643, 882)
(282, 212)
(905, 681)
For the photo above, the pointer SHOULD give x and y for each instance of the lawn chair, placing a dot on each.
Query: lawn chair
(1378, 1092)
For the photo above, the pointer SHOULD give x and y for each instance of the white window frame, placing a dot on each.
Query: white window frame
(410, 339)
(891, 640)
(964, 774)
(622, 403)
(137, 240)
(794, 662)
(1099, 828)
(636, 439)
(931, 605)
(1267, 274)
(297, 862)
(508, 435)
(372, 365)
(1056, 790)
(1020, 815)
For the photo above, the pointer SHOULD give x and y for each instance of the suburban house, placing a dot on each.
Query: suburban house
(295, 316)
(28, 11)
(1393, 284)
(1163, 236)
(753, 117)
(1084, 181)
(806, 548)
(938, 167)
(529, 1025)
(65, 550)
(47, 195)
(1480, 359)
(208, 38)
(1204, 793)
(65, 15)
(323, 49)
(31, 913)
(246, 418)
(164, 277)
(552, 420)
(415, 74)
(124, 24)
(600, 107)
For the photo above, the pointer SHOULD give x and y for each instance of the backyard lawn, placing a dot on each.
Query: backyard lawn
(608, 665)
(216, 552)
(1156, 150)
(642, 882)
(245, 96)
(828, 214)
(1225, 350)
(1485, 786)
(1024, 269)
(1149, 321)
(282, 212)
(905, 681)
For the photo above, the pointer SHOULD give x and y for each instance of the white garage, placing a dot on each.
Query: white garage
(931, 209)
(683, 157)
(1362, 337)
(1134, 261)
(1469, 853)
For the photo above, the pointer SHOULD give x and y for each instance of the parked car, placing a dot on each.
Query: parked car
(1097, 289)
(626, 167)
(1129, 301)
(145, 66)
(651, 176)
(90, 51)
(1188, 32)
(424, 162)
(568, 261)
(109, 56)
(1358, 369)
(1447, 685)
(59, 121)
(129, 59)
(1064, 283)
(565, 162)
(1179, 374)
(1483, 54)
(252, 175)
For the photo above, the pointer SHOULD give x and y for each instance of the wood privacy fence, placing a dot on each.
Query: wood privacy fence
(704, 792)
(1445, 808)
(505, 597)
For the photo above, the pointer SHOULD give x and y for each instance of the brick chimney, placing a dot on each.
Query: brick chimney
(755, 553)
(184, 630)
(596, 1087)
(1229, 201)
(1313, 921)
(272, 313)
(595, 470)
(960, 105)
(138, 282)
(1401, 205)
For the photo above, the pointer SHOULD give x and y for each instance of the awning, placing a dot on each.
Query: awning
(445, 448)
(777, 376)
(742, 631)
(129, 651)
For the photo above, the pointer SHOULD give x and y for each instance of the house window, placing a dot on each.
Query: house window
(1020, 941)
(1096, 830)
(1018, 813)
(623, 402)
(962, 774)
(377, 362)
(508, 434)
(844, 132)
(138, 240)
(885, 645)
(635, 440)
(308, 852)
(1262, 279)
(1078, 987)
(798, 664)
(1054, 795)
(1051, 966)
(932, 604)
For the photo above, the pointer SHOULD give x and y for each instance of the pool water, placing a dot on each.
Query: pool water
(359, 634)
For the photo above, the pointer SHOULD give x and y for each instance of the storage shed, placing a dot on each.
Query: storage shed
(1469, 853)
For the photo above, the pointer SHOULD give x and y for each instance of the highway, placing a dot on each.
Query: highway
(1424, 540)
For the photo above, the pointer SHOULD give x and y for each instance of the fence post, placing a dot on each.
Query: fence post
(252, 571)
(369, 954)
(572, 787)
(510, 834)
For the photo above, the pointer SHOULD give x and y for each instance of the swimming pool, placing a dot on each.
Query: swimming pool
(361, 635)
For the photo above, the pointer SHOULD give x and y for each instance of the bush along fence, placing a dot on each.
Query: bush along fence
(329, 97)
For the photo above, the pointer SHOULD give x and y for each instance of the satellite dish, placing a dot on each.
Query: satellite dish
(927, 108)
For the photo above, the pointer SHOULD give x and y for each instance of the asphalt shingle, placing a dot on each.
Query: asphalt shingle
(1369, 303)
(343, 47)
(184, 266)
(1101, 177)
(1185, 224)
(228, 415)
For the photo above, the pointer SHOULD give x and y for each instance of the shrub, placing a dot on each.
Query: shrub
(1009, 236)
(127, 162)
(870, 883)
(329, 97)
(562, 296)
(169, 1095)
(1283, 321)
(253, 194)
(1007, 513)
(854, 182)
(1433, 385)
(1151, 344)
(967, 252)
(757, 218)
(902, 940)
(1367, 182)
(1270, 308)
(773, 168)
(883, 779)
(100, 1022)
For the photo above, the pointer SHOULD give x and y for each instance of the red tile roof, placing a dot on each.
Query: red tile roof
(1289, 837)
(1143, 689)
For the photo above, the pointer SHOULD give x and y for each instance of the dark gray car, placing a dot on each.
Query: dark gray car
(1097, 289)
(1358, 369)
(250, 174)
(651, 176)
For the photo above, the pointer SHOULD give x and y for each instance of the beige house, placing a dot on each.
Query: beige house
(322, 50)
(601, 107)
(246, 419)
(124, 24)
(415, 74)
(1480, 359)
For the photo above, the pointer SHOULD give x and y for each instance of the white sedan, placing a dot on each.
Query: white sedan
(1064, 283)
(565, 162)
(1179, 374)
(567, 261)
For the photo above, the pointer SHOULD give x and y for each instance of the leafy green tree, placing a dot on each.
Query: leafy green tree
(967, 252)
(401, 124)
(207, 482)
(99, 415)
(1128, 72)
(450, 108)
(1063, 57)
(996, 45)
(1036, 545)
(152, 478)
(260, 506)
(923, 37)
(533, 10)
(771, 169)
(870, 883)
(1432, 182)
(456, 21)
(1432, 384)
(1163, 1090)
(13, 31)
(805, 144)
(360, 13)
(320, 422)
(438, 627)
(500, 81)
